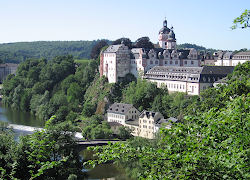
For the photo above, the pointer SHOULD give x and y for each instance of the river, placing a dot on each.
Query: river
(105, 171)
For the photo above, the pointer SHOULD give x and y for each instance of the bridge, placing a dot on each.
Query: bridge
(78, 136)
(98, 142)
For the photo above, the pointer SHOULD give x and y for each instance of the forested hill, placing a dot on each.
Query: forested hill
(20, 51)
(197, 47)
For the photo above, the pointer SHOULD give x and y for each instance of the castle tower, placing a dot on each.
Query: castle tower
(167, 37)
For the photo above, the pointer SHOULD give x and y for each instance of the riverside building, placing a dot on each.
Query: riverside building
(144, 124)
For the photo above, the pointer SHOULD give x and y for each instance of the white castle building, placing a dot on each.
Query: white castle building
(228, 58)
(178, 70)
(118, 60)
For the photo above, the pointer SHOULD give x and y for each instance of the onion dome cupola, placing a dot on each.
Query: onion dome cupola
(171, 34)
(164, 29)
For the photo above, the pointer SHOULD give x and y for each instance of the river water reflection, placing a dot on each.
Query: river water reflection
(19, 117)
(105, 171)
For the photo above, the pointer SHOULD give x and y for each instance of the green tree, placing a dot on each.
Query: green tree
(95, 128)
(124, 132)
(74, 93)
(141, 94)
(144, 42)
(97, 49)
(242, 20)
(46, 154)
(126, 41)
(88, 109)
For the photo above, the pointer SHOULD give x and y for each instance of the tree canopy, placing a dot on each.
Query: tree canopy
(21, 51)
(97, 49)
(49, 88)
(126, 41)
(242, 21)
(144, 42)
(212, 141)
(47, 154)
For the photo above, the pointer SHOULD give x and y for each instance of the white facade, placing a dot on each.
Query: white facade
(190, 80)
(147, 124)
(120, 113)
(230, 59)
(117, 60)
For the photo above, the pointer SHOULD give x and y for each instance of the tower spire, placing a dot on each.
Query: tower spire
(165, 23)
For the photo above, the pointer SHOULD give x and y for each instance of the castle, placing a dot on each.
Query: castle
(118, 60)
(178, 70)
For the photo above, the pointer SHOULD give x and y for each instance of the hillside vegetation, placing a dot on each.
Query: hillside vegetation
(211, 142)
(21, 51)
(197, 47)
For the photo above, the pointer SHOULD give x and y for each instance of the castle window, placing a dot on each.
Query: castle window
(151, 62)
(166, 56)
(156, 62)
(185, 62)
(166, 62)
(171, 62)
(176, 62)
(192, 62)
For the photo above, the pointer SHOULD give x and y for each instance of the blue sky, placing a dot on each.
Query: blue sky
(202, 22)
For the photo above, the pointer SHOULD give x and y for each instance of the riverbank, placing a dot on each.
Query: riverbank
(24, 123)
(19, 117)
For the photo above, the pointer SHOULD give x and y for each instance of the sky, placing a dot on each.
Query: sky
(202, 22)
